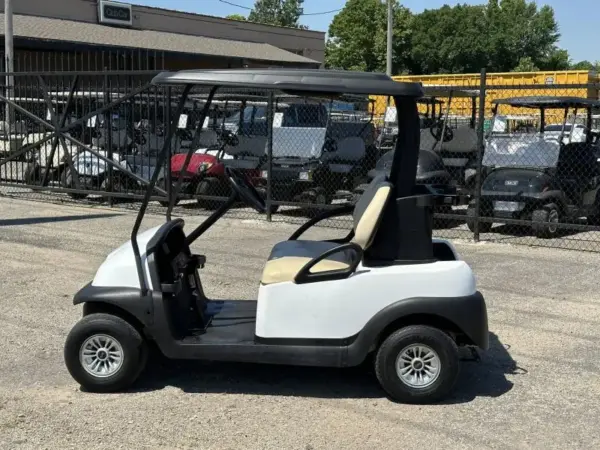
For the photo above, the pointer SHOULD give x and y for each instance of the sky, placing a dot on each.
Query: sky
(578, 19)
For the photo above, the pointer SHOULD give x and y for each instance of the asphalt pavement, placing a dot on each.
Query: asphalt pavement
(537, 386)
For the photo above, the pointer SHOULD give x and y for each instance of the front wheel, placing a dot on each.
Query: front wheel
(161, 182)
(105, 353)
(210, 187)
(417, 364)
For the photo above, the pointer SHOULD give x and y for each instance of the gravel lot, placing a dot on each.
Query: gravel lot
(536, 388)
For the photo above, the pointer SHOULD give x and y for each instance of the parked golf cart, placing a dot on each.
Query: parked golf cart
(439, 174)
(387, 289)
(456, 144)
(237, 140)
(547, 180)
(131, 134)
(431, 173)
(317, 156)
(389, 131)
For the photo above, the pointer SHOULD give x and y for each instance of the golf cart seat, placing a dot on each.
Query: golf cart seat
(288, 257)
(248, 153)
(348, 149)
(208, 139)
(576, 165)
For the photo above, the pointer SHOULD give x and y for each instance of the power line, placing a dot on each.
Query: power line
(304, 14)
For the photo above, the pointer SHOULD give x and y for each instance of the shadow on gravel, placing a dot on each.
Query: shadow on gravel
(54, 219)
(477, 379)
(486, 378)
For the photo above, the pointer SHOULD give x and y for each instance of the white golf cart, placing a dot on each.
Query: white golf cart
(385, 289)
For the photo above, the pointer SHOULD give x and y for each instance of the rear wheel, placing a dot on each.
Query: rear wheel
(417, 364)
(594, 219)
(105, 353)
(67, 182)
(484, 227)
(545, 221)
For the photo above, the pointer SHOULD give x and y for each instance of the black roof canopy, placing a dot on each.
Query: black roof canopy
(295, 80)
(548, 102)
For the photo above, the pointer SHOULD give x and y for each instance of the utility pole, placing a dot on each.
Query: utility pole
(390, 33)
(8, 56)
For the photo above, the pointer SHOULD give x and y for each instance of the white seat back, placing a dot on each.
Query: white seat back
(368, 211)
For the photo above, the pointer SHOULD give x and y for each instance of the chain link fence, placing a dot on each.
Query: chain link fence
(517, 164)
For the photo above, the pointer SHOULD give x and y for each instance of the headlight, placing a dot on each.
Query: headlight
(264, 174)
(204, 167)
(305, 176)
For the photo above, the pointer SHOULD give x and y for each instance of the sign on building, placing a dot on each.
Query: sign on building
(114, 13)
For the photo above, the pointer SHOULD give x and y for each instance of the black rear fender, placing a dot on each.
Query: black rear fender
(464, 318)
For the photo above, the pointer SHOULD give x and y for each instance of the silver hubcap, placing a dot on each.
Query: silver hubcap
(553, 220)
(418, 366)
(101, 355)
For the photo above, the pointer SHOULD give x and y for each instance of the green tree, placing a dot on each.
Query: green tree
(449, 40)
(517, 29)
(358, 37)
(586, 65)
(526, 64)
(284, 13)
(556, 59)
(236, 17)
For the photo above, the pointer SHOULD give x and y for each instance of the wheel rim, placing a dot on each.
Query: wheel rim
(553, 221)
(101, 356)
(418, 366)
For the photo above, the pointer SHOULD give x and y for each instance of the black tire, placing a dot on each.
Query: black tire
(484, 227)
(542, 220)
(395, 344)
(210, 186)
(120, 185)
(274, 208)
(594, 219)
(135, 352)
(66, 180)
(32, 176)
(162, 184)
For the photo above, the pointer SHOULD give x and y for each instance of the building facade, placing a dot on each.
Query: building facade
(106, 35)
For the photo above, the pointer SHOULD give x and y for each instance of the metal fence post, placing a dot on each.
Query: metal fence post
(109, 143)
(270, 116)
(480, 149)
(167, 177)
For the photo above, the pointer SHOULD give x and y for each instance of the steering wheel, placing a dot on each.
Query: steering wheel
(229, 138)
(245, 190)
(330, 145)
(436, 131)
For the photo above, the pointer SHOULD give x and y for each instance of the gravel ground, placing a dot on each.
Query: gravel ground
(536, 387)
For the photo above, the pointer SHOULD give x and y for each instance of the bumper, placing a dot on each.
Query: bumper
(288, 191)
(473, 319)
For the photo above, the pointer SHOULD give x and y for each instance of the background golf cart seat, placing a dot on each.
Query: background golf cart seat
(208, 139)
(464, 140)
(248, 153)
(288, 257)
(348, 149)
(577, 165)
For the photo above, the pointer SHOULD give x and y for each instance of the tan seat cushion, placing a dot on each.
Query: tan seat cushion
(285, 268)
